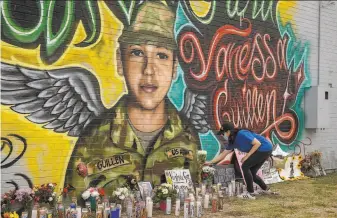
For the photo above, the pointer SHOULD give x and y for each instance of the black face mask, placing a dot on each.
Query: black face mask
(225, 137)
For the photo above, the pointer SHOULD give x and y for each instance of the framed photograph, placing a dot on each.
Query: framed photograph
(145, 189)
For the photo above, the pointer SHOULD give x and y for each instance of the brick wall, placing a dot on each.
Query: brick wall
(90, 98)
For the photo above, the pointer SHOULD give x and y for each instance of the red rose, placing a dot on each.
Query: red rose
(101, 191)
(82, 169)
(65, 190)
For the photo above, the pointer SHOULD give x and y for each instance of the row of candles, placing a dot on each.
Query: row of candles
(193, 204)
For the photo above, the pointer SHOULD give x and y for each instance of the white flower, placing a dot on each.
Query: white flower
(54, 194)
(122, 197)
(85, 195)
(125, 190)
(165, 191)
(202, 152)
(94, 194)
(208, 170)
(117, 193)
(166, 185)
(51, 185)
(50, 199)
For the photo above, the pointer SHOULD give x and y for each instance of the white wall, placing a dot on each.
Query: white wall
(317, 24)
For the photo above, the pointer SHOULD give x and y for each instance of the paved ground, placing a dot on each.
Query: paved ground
(304, 198)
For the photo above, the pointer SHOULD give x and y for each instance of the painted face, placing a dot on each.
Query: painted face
(148, 71)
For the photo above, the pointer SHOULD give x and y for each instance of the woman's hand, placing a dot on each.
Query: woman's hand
(207, 163)
(244, 158)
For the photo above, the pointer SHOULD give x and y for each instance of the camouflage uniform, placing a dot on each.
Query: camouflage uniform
(153, 25)
(111, 150)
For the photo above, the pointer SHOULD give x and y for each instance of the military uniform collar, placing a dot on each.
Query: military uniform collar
(123, 135)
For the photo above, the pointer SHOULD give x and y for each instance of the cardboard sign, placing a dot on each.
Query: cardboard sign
(272, 177)
(292, 168)
(180, 179)
(270, 174)
(239, 156)
(224, 174)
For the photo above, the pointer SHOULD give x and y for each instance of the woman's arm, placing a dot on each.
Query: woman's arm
(256, 144)
(219, 157)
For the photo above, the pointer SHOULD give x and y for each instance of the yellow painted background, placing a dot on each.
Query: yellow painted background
(48, 153)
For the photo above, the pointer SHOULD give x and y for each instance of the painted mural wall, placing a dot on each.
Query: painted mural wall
(95, 91)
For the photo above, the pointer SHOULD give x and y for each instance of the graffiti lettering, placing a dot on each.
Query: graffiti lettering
(233, 9)
(44, 31)
(265, 11)
(255, 108)
(245, 57)
(248, 64)
(190, 38)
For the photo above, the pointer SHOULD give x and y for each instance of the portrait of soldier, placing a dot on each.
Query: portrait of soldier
(143, 134)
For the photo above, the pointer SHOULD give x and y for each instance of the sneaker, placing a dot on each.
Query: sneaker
(246, 195)
(265, 192)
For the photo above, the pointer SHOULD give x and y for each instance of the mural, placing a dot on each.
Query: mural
(104, 89)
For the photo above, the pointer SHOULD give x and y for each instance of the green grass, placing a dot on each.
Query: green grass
(303, 198)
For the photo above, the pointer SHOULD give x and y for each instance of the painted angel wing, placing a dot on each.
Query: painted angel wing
(65, 100)
(195, 111)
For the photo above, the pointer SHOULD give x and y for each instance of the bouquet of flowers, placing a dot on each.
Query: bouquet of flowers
(45, 194)
(201, 157)
(119, 195)
(11, 215)
(7, 199)
(164, 191)
(311, 165)
(24, 196)
(207, 173)
(93, 192)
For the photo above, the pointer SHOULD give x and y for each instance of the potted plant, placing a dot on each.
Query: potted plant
(162, 192)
